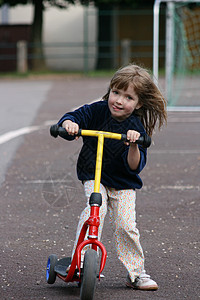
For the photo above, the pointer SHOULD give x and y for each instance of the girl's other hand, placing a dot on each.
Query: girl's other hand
(71, 127)
(132, 136)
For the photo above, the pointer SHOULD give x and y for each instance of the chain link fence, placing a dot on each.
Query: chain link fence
(121, 37)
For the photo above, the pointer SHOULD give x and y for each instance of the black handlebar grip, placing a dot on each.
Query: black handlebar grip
(144, 141)
(56, 130)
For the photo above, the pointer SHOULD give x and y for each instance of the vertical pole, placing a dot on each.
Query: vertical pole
(156, 39)
(22, 57)
(85, 39)
(98, 163)
(126, 51)
(169, 61)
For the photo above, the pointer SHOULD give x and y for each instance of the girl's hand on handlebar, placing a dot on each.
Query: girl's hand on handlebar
(71, 127)
(132, 136)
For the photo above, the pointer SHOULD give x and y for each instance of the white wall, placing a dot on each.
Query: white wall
(20, 14)
(67, 26)
(61, 26)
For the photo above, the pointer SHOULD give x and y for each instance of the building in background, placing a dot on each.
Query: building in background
(71, 37)
(63, 36)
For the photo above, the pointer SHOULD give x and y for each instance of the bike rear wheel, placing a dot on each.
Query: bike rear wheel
(89, 276)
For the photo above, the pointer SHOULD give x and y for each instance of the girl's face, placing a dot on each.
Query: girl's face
(122, 103)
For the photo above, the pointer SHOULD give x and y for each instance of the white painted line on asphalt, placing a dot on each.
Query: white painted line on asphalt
(163, 187)
(15, 133)
(183, 108)
(6, 137)
(177, 151)
(183, 120)
(179, 187)
(38, 181)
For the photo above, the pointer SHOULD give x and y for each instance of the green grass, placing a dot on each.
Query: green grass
(12, 75)
(35, 73)
(91, 74)
(29, 74)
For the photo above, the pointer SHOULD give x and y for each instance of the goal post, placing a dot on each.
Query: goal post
(180, 48)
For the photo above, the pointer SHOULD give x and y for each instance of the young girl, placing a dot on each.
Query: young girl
(132, 105)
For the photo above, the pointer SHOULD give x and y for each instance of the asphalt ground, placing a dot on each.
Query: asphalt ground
(19, 103)
(41, 200)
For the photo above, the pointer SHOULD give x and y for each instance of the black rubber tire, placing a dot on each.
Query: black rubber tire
(89, 276)
(50, 273)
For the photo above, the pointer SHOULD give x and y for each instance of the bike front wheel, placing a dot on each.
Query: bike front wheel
(89, 276)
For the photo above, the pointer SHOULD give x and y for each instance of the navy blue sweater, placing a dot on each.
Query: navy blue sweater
(116, 172)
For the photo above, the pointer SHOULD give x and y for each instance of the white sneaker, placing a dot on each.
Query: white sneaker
(143, 282)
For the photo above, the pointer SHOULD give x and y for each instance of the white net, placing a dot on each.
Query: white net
(191, 27)
(185, 70)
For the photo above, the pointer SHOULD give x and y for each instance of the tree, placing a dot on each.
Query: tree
(104, 33)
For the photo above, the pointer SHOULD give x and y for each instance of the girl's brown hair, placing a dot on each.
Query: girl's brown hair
(153, 103)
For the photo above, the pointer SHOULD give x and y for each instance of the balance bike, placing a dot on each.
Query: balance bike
(67, 269)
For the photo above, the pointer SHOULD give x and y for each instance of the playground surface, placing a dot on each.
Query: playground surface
(41, 200)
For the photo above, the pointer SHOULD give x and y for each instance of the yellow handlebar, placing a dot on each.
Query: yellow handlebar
(110, 135)
(144, 141)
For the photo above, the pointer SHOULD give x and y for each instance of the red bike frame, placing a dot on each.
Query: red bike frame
(93, 221)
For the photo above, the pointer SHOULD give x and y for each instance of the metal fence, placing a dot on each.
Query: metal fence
(131, 39)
